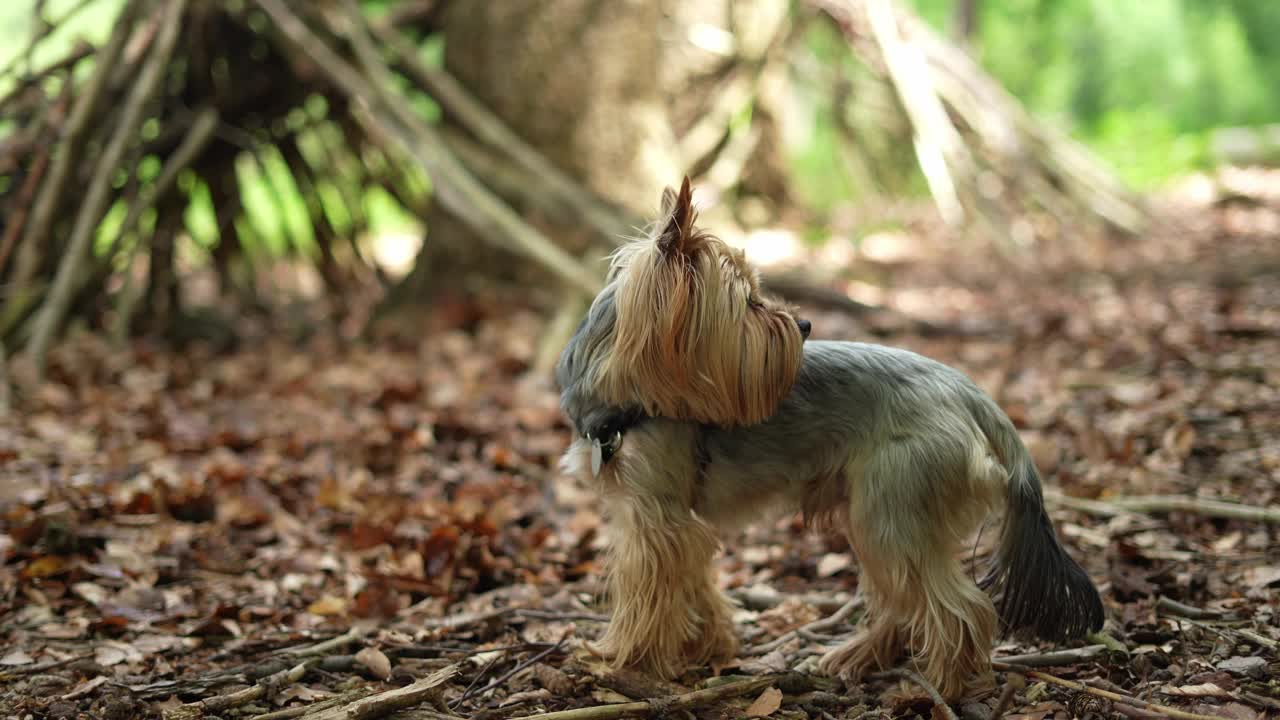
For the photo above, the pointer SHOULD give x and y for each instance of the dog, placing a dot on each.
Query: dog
(699, 406)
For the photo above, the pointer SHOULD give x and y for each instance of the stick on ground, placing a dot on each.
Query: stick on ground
(1055, 657)
(826, 623)
(660, 707)
(1155, 504)
(424, 690)
(908, 674)
(1112, 696)
(264, 687)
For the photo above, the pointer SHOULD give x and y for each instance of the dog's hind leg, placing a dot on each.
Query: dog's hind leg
(912, 503)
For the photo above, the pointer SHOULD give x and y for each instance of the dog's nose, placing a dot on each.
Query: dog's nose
(804, 328)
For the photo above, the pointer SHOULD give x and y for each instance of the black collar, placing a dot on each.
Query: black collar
(606, 434)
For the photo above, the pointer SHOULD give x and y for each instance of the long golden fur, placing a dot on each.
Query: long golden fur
(700, 407)
(695, 339)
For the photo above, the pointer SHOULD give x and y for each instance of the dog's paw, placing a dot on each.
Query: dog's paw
(851, 661)
(718, 643)
(601, 650)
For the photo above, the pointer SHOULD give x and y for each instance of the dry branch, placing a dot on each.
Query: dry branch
(326, 646)
(263, 688)
(939, 704)
(1160, 504)
(51, 313)
(820, 625)
(293, 712)
(194, 143)
(425, 690)
(941, 151)
(68, 154)
(1052, 658)
(1001, 161)
(1173, 607)
(661, 707)
(456, 188)
(527, 662)
(1112, 696)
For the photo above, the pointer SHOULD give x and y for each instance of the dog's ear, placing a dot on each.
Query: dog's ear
(677, 234)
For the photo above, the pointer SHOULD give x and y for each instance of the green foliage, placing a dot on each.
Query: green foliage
(1142, 82)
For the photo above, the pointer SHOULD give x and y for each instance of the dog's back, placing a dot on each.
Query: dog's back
(909, 456)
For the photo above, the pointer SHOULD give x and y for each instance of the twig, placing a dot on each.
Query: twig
(22, 202)
(68, 154)
(662, 707)
(1114, 697)
(826, 623)
(1149, 504)
(483, 671)
(44, 29)
(562, 616)
(263, 688)
(468, 693)
(293, 712)
(326, 646)
(18, 92)
(1014, 683)
(193, 143)
(1055, 657)
(938, 143)
(55, 305)
(1173, 607)
(918, 679)
(385, 703)
(764, 597)
(458, 191)
(37, 668)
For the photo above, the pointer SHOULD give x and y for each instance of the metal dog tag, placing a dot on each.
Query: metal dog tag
(603, 452)
(597, 457)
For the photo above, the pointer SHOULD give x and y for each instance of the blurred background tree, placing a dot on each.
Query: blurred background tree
(159, 160)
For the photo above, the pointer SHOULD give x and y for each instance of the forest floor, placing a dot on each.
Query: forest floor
(293, 527)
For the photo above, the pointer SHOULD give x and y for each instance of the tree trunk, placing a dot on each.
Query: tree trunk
(579, 80)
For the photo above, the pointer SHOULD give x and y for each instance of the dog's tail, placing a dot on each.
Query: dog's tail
(1035, 585)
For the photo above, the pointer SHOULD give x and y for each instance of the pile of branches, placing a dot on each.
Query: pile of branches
(181, 94)
(988, 163)
(108, 149)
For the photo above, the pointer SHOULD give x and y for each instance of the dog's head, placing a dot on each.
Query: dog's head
(683, 330)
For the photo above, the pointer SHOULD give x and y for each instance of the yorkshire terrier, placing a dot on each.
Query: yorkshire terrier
(699, 406)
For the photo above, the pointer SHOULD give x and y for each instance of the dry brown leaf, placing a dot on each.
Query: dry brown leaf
(765, 705)
(526, 697)
(327, 606)
(84, 688)
(16, 657)
(832, 563)
(1233, 710)
(377, 662)
(1200, 690)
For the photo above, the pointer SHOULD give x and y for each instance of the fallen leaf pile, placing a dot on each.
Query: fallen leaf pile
(329, 523)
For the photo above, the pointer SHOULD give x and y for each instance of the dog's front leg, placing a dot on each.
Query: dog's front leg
(667, 608)
(668, 611)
